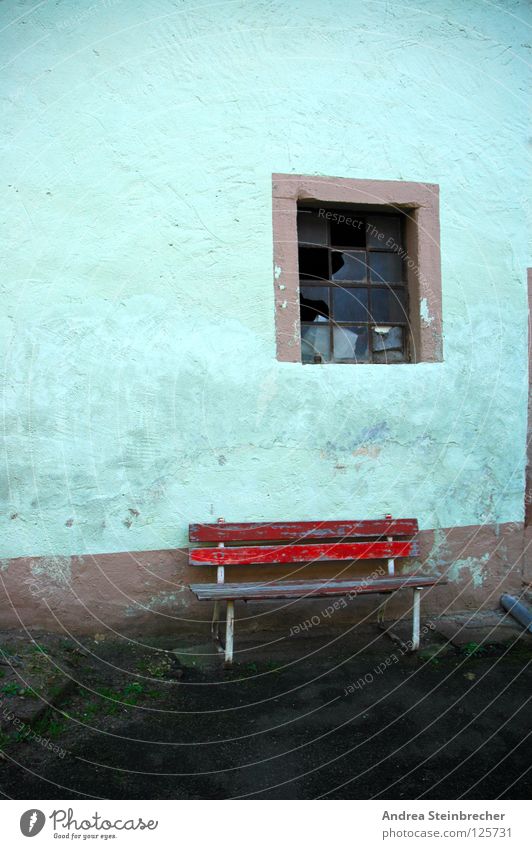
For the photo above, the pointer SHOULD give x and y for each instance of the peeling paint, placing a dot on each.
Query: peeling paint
(364, 444)
(162, 600)
(372, 451)
(426, 317)
(376, 433)
(473, 567)
(438, 556)
(278, 271)
(57, 570)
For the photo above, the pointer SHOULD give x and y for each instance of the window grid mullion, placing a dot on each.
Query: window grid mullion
(368, 284)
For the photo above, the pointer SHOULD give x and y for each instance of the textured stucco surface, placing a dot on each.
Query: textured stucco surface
(140, 385)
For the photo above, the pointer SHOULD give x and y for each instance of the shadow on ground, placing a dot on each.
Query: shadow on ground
(346, 716)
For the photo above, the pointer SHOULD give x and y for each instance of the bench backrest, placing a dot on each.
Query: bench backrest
(246, 543)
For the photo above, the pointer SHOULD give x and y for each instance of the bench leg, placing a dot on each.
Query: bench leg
(388, 631)
(381, 612)
(415, 618)
(215, 626)
(229, 629)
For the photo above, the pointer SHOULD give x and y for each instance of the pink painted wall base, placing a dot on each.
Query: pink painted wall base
(146, 591)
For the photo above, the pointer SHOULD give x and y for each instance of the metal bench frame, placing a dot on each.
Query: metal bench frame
(379, 540)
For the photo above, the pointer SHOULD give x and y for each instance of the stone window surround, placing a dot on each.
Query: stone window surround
(419, 202)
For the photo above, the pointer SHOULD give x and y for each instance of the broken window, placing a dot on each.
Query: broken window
(353, 291)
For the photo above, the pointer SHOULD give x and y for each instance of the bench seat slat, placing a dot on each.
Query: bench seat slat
(249, 531)
(303, 589)
(314, 552)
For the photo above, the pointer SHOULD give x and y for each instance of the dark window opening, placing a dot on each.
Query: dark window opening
(353, 290)
(314, 302)
(349, 233)
(314, 263)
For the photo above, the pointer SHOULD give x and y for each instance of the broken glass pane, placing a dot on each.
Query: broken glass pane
(314, 302)
(385, 267)
(311, 229)
(384, 231)
(388, 305)
(351, 343)
(348, 265)
(316, 343)
(350, 304)
(346, 230)
(387, 338)
(314, 263)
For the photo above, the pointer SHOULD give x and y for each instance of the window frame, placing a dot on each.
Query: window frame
(367, 285)
(419, 203)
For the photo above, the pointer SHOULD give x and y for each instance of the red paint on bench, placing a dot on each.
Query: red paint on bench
(297, 542)
(249, 555)
(249, 531)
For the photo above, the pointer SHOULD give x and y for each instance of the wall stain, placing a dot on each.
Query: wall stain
(472, 566)
(164, 599)
(372, 451)
(57, 570)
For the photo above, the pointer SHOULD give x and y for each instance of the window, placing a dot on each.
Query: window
(356, 271)
(353, 291)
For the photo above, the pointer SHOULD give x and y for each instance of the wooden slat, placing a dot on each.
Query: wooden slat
(318, 589)
(314, 552)
(248, 531)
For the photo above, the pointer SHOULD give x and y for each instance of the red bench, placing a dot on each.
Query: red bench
(247, 544)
